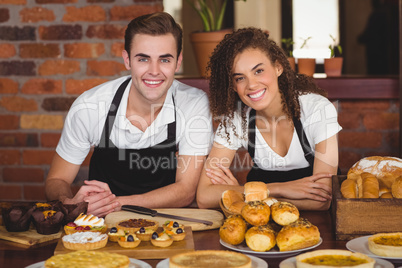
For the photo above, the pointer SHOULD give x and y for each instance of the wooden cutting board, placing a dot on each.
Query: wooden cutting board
(145, 250)
(30, 237)
(216, 217)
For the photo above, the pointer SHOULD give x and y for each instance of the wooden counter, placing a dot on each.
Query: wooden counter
(16, 255)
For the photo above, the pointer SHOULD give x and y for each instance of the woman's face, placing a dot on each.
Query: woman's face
(255, 80)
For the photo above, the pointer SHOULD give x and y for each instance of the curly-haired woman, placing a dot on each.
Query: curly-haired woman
(282, 118)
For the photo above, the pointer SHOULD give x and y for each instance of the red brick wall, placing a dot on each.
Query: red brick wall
(50, 52)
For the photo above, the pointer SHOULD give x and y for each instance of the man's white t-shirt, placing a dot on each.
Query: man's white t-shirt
(86, 118)
(319, 119)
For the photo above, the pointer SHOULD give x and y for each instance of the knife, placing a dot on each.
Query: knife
(153, 213)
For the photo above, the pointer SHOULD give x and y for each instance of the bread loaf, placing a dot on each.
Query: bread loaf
(370, 185)
(255, 191)
(397, 188)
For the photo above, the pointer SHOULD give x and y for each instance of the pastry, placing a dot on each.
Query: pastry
(284, 213)
(371, 187)
(256, 213)
(211, 259)
(177, 234)
(83, 258)
(333, 258)
(233, 229)
(85, 240)
(260, 238)
(48, 217)
(170, 225)
(85, 223)
(128, 241)
(270, 201)
(255, 191)
(114, 234)
(133, 225)
(397, 188)
(349, 188)
(386, 244)
(231, 196)
(17, 217)
(297, 235)
(144, 234)
(72, 211)
(162, 240)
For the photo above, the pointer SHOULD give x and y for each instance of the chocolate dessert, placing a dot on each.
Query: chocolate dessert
(17, 217)
(48, 217)
(72, 211)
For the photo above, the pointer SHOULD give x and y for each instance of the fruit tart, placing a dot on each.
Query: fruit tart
(84, 223)
(170, 225)
(133, 225)
(144, 234)
(162, 240)
(177, 234)
(129, 241)
(115, 233)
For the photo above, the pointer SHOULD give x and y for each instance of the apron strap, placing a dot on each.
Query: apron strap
(111, 116)
(251, 133)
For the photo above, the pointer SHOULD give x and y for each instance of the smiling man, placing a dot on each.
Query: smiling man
(150, 132)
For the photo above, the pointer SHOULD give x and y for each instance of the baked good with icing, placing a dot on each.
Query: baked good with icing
(260, 238)
(233, 229)
(133, 225)
(84, 258)
(256, 213)
(284, 213)
(84, 223)
(85, 240)
(333, 258)
(298, 235)
(211, 259)
(386, 244)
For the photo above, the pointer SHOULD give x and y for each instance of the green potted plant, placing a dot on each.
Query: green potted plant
(333, 64)
(306, 65)
(211, 13)
(288, 48)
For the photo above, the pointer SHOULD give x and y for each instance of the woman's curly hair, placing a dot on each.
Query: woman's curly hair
(222, 97)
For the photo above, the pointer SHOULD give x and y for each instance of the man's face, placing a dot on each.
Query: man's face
(153, 62)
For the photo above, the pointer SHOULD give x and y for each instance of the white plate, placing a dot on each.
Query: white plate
(360, 245)
(291, 263)
(134, 263)
(273, 253)
(255, 263)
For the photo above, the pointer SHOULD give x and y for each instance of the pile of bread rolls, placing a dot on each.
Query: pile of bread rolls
(264, 222)
(374, 177)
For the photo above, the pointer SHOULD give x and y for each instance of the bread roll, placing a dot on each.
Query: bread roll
(397, 188)
(256, 213)
(233, 229)
(359, 184)
(386, 195)
(255, 191)
(284, 213)
(260, 238)
(349, 188)
(370, 185)
(237, 206)
(297, 235)
(231, 196)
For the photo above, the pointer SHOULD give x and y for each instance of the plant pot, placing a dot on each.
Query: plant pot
(292, 62)
(333, 66)
(204, 44)
(306, 66)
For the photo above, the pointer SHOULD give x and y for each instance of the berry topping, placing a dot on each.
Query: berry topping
(130, 238)
(142, 230)
(87, 228)
(155, 235)
(79, 228)
(113, 230)
(71, 224)
(175, 224)
(179, 231)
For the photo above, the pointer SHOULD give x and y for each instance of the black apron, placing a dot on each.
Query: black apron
(133, 171)
(267, 176)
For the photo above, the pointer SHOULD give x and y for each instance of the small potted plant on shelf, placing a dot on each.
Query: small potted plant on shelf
(333, 65)
(288, 48)
(205, 41)
(306, 65)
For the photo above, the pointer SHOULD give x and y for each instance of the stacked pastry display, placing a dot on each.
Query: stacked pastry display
(374, 177)
(264, 226)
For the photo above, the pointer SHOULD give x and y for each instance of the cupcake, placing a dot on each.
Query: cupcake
(48, 217)
(17, 217)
